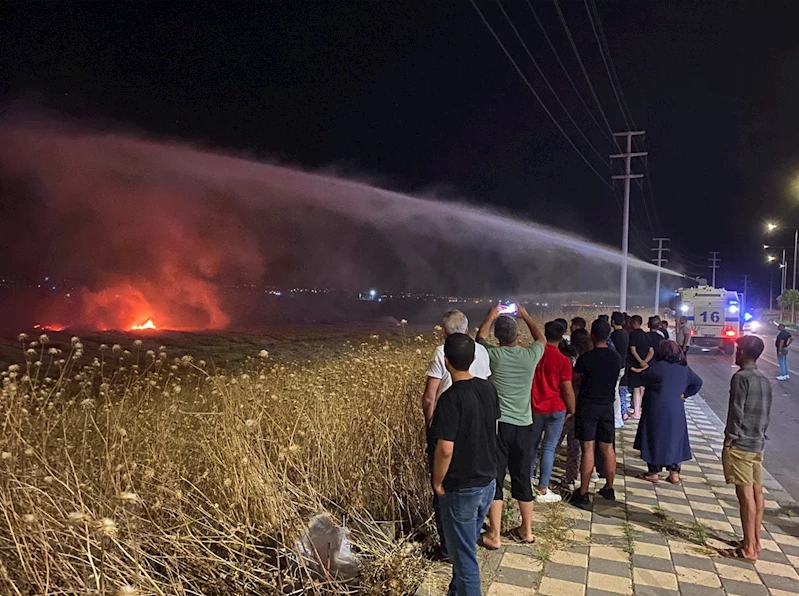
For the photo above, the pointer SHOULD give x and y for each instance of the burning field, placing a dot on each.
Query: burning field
(138, 468)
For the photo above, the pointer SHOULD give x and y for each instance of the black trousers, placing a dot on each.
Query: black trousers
(515, 455)
(431, 450)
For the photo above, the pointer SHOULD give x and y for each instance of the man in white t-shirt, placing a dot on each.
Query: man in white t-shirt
(438, 381)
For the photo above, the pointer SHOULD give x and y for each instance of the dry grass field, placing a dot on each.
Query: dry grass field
(190, 464)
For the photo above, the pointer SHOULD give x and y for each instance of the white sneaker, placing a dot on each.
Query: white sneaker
(547, 497)
(781, 378)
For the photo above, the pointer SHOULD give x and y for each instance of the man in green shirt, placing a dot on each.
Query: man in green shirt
(512, 368)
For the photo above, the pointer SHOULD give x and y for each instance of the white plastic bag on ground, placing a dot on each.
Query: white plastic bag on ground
(325, 550)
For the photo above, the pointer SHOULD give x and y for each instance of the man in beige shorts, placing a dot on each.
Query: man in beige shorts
(745, 441)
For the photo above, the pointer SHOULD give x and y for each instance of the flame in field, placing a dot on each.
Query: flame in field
(146, 242)
(146, 325)
(52, 327)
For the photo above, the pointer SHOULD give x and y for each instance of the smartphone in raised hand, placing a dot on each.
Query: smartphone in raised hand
(508, 309)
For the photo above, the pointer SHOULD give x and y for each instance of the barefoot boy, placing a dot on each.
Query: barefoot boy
(744, 442)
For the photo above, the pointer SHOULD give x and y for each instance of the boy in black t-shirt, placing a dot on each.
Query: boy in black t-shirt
(596, 372)
(465, 461)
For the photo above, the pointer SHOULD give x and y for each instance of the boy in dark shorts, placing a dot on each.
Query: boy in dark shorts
(596, 372)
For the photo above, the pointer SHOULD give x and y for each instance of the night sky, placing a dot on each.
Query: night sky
(418, 96)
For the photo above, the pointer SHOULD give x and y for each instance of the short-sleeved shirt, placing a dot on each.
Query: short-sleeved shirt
(654, 337)
(640, 342)
(467, 415)
(599, 370)
(749, 409)
(621, 342)
(782, 336)
(512, 370)
(553, 369)
(438, 369)
(683, 335)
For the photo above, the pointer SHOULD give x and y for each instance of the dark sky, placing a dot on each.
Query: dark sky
(418, 95)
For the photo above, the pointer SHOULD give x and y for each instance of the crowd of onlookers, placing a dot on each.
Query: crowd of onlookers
(500, 408)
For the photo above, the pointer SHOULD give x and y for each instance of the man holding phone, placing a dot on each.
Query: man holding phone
(512, 369)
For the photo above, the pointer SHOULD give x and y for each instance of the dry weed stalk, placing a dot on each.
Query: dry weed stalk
(135, 474)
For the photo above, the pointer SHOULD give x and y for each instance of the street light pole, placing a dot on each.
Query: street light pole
(771, 291)
(784, 272)
(795, 251)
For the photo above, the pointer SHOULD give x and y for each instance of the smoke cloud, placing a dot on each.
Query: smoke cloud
(176, 234)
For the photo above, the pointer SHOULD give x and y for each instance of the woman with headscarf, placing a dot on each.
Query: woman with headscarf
(662, 436)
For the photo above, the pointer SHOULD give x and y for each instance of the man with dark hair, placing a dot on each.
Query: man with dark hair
(664, 329)
(654, 324)
(553, 401)
(745, 441)
(784, 339)
(465, 461)
(596, 372)
(512, 369)
(640, 354)
(563, 323)
(621, 343)
(578, 323)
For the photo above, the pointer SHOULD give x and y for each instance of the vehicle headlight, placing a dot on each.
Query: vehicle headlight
(754, 325)
(733, 308)
(684, 308)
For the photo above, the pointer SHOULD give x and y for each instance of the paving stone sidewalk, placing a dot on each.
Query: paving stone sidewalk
(655, 540)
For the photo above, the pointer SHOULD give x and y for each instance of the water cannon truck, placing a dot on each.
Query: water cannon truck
(714, 315)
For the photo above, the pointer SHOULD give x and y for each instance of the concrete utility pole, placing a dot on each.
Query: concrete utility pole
(625, 233)
(659, 262)
(714, 264)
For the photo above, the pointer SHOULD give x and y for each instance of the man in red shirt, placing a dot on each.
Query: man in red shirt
(553, 401)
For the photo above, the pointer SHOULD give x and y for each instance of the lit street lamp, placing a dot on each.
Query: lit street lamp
(771, 227)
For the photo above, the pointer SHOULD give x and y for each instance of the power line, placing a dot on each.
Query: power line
(543, 76)
(615, 82)
(607, 67)
(609, 132)
(538, 97)
(610, 60)
(582, 66)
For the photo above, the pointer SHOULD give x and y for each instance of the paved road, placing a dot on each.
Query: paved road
(782, 454)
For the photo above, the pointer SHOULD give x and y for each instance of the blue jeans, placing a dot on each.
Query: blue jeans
(783, 360)
(550, 426)
(463, 513)
(624, 395)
